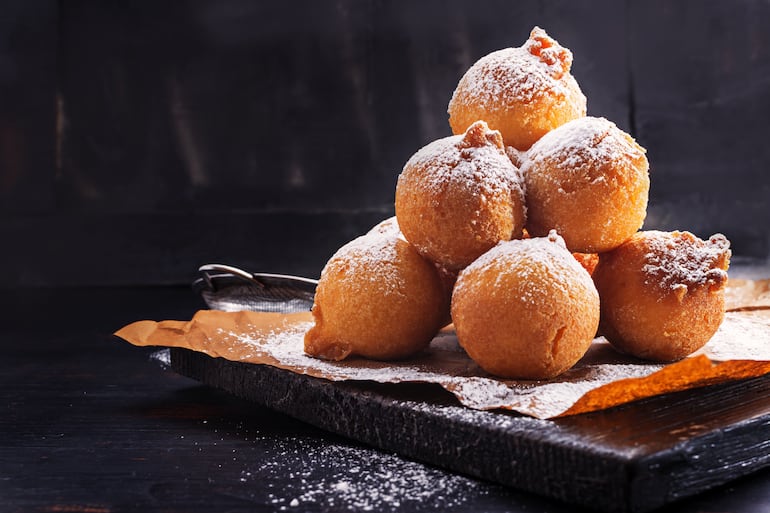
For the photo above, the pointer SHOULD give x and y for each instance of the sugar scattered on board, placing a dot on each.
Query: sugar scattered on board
(323, 476)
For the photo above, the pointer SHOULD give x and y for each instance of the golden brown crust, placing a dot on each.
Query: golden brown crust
(662, 293)
(589, 181)
(587, 260)
(526, 309)
(459, 196)
(390, 227)
(522, 92)
(377, 298)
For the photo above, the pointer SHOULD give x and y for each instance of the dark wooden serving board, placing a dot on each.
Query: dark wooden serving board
(632, 458)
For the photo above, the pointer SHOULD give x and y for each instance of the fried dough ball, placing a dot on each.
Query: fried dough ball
(390, 227)
(387, 226)
(588, 180)
(587, 260)
(523, 92)
(459, 196)
(377, 298)
(517, 156)
(662, 294)
(448, 280)
(526, 309)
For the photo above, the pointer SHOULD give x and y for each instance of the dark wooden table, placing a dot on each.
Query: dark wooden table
(91, 424)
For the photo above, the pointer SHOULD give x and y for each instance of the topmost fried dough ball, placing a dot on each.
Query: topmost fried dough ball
(587, 180)
(459, 196)
(523, 92)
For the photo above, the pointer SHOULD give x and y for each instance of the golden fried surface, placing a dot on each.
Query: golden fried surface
(662, 293)
(588, 180)
(526, 309)
(459, 196)
(522, 92)
(377, 298)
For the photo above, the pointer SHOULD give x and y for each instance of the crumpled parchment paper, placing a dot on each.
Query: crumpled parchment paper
(603, 378)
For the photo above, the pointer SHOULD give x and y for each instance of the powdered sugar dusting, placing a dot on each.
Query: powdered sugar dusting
(508, 76)
(373, 257)
(549, 51)
(388, 228)
(481, 168)
(514, 76)
(474, 388)
(354, 479)
(584, 144)
(540, 254)
(679, 260)
(163, 357)
(286, 347)
(741, 336)
(543, 399)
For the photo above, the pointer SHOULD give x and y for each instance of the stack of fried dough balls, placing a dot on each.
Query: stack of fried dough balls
(524, 225)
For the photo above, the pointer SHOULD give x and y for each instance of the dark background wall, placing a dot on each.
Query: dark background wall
(139, 140)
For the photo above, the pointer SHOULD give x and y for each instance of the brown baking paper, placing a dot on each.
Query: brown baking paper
(603, 378)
